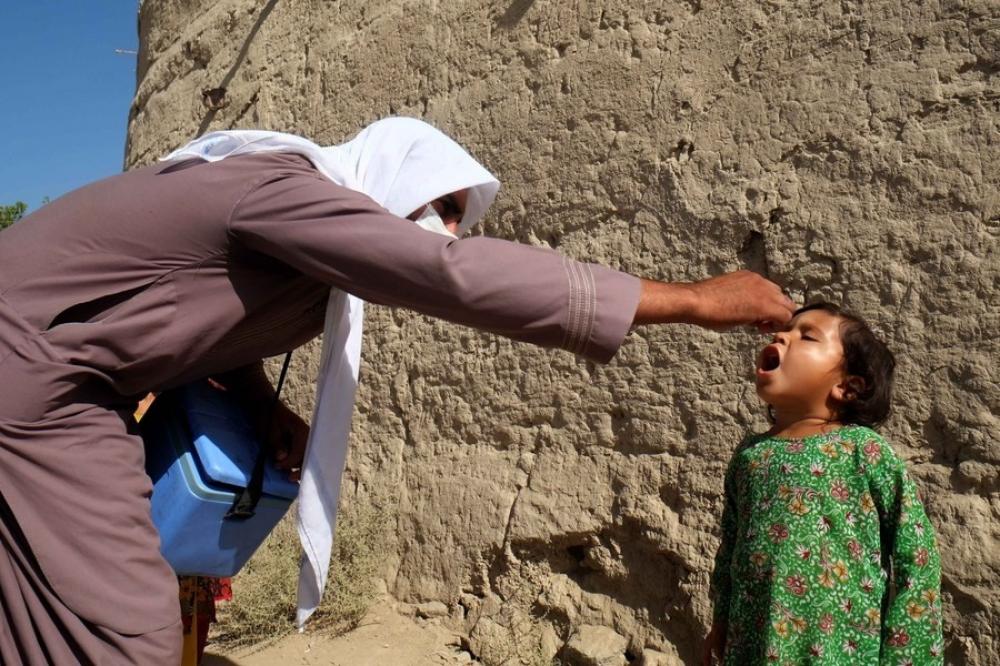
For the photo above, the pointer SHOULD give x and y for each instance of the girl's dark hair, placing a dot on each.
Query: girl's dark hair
(867, 357)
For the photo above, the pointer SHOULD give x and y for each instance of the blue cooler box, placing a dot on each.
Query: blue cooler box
(200, 452)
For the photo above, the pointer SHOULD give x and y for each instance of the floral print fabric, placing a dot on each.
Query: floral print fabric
(820, 536)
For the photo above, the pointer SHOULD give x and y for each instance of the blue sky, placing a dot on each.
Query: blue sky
(65, 94)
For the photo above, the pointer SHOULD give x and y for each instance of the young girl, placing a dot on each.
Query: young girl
(827, 556)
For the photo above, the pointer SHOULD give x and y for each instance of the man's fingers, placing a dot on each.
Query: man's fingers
(774, 310)
(780, 307)
(737, 299)
(788, 303)
(776, 316)
(783, 298)
(775, 306)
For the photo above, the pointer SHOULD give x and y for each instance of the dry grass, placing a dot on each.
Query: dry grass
(263, 606)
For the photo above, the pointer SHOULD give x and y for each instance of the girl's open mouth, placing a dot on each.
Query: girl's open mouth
(770, 359)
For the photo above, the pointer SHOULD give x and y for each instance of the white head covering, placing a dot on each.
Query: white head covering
(402, 164)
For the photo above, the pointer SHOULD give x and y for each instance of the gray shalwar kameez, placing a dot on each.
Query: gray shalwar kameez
(173, 272)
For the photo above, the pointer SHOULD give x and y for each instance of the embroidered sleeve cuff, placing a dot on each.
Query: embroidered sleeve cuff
(602, 304)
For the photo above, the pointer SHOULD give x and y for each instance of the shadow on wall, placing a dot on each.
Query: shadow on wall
(215, 98)
(514, 13)
(617, 566)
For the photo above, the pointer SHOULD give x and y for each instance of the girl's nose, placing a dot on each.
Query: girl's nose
(780, 337)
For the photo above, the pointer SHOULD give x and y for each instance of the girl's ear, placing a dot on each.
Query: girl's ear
(848, 389)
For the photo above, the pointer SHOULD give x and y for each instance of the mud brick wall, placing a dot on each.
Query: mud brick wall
(848, 150)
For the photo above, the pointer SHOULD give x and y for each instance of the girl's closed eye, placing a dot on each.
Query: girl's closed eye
(808, 332)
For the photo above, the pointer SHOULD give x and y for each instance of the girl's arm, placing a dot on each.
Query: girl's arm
(911, 626)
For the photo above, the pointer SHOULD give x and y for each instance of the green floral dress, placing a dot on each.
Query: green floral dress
(810, 531)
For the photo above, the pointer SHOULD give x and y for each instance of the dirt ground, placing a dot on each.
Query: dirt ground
(386, 637)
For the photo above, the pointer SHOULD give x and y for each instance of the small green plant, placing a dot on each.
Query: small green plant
(12, 213)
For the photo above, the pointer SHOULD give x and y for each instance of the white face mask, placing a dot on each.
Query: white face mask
(431, 221)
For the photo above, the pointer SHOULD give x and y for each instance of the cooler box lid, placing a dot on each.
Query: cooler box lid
(225, 444)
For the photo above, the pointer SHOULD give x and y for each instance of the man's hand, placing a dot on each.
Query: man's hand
(742, 298)
(288, 438)
(288, 433)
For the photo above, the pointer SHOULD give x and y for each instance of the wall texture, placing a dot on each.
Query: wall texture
(848, 150)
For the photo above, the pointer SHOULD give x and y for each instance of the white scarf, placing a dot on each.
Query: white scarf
(402, 164)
